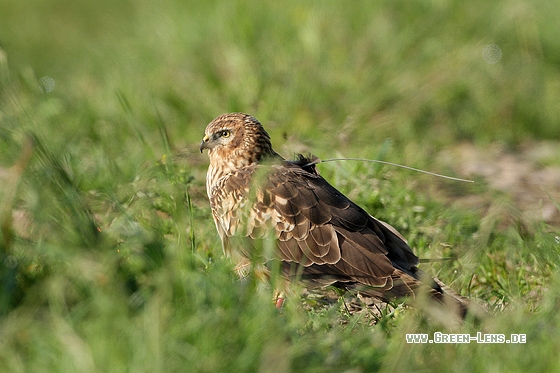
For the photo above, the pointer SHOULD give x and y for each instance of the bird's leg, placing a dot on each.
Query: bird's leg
(279, 298)
(244, 267)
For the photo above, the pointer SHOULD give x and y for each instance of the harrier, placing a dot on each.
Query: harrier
(318, 235)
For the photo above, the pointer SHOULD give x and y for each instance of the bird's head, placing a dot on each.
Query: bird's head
(236, 140)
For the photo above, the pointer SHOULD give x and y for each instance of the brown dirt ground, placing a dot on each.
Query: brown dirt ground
(530, 176)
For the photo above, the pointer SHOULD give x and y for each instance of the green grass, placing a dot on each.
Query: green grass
(109, 259)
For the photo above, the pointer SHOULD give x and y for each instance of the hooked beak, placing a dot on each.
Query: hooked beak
(204, 143)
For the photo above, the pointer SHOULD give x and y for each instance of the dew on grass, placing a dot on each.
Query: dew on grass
(48, 83)
(492, 54)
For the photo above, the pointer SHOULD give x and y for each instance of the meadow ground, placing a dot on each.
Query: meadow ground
(109, 259)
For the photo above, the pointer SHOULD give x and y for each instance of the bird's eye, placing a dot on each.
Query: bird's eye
(225, 133)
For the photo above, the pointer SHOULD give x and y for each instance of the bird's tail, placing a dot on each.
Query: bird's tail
(459, 305)
(424, 292)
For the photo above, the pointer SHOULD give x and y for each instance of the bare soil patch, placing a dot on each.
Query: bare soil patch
(530, 176)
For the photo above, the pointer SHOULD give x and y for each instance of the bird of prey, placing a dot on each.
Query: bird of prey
(318, 235)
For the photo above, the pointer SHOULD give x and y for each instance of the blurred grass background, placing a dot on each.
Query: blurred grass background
(109, 256)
